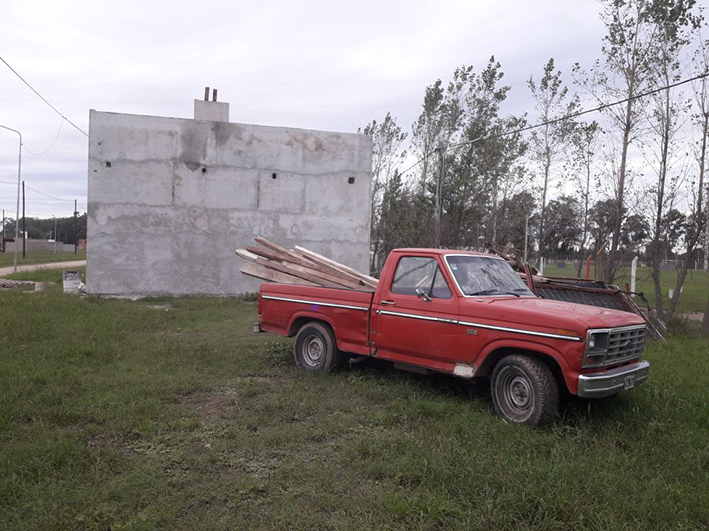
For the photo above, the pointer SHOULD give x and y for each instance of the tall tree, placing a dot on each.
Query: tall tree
(585, 146)
(387, 154)
(549, 142)
(631, 48)
(698, 220)
(664, 112)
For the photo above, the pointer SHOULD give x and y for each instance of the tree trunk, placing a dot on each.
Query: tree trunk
(547, 166)
(662, 176)
(611, 263)
(585, 217)
(699, 221)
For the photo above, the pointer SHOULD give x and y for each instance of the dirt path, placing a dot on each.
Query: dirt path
(36, 267)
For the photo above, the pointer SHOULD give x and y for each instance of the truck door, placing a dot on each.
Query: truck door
(414, 317)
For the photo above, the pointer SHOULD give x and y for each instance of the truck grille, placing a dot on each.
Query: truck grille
(623, 344)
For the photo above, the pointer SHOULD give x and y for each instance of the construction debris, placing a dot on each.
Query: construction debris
(14, 284)
(581, 291)
(300, 266)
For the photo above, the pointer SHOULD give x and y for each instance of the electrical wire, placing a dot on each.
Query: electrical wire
(50, 196)
(43, 98)
(61, 124)
(556, 120)
(582, 112)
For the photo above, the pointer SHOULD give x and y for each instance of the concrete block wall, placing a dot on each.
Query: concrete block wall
(171, 199)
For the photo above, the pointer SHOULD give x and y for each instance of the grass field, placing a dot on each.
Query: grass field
(693, 298)
(171, 413)
(8, 259)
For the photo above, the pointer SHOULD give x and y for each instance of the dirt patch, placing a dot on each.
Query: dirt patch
(209, 405)
(104, 441)
(263, 379)
(184, 333)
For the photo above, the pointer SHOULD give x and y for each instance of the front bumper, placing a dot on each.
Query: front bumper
(613, 381)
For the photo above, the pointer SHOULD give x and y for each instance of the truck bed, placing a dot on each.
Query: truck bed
(281, 306)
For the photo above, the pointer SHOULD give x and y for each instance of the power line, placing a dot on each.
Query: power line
(50, 196)
(61, 124)
(582, 112)
(556, 120)
(43, 99)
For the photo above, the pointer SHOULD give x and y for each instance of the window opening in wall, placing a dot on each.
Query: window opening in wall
(274, 175)
(350, 180)
(108, 164)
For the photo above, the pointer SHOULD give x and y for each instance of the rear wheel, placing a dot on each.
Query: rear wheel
(316, 349)
(525, 391)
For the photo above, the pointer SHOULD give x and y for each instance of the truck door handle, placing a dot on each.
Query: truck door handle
(387, 302)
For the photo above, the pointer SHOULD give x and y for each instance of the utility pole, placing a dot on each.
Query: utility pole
(526, 232)
(76, 232)
(55, 233)
(439, 202)
(24, 226)
(19, 174)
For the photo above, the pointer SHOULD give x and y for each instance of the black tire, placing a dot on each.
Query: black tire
(315, 348)
(525, 391)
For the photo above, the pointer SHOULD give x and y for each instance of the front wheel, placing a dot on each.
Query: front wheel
(525, 391)
(316, 349)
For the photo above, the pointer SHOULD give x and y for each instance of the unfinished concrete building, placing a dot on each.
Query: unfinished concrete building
(170, 199)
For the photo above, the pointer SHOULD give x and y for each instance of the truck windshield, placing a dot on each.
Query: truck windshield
(478, 275)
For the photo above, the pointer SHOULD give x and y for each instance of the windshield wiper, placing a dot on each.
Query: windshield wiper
(494, 291)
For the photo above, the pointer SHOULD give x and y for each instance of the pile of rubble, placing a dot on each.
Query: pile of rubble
(583, 291)
(14, 284)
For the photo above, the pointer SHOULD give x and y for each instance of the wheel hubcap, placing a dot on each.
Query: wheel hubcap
(313, 350)
(519, 392)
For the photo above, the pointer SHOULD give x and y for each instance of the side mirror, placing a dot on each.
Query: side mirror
(421, 294)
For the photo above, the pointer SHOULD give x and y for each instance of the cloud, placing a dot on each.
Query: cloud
(311, 64)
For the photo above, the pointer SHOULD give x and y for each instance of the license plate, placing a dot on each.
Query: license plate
(629, 381)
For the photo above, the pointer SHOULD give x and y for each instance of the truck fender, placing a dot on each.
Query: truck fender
(306, 316)
(496, 350)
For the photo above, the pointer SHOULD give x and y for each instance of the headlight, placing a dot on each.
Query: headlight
(596, 348)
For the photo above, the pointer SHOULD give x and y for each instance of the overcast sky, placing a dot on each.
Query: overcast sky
(311, 64)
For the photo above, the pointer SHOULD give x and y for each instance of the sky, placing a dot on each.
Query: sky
(310, 64)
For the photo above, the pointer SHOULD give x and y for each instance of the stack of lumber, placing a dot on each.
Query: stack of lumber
(273, 263)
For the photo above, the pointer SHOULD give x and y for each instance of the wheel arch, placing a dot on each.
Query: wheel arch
(302, 318)
(552, 359)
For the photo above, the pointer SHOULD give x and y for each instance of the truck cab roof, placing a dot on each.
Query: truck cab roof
(442, 252)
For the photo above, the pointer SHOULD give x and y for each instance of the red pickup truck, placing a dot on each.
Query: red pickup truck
(469, 315)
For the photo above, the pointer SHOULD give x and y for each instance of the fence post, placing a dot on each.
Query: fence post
(633, 271)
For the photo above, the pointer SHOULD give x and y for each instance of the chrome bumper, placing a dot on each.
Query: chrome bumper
(613, 381)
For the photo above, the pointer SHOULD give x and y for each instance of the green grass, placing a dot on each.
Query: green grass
(693, 298)
(8, 259)
(171, 413)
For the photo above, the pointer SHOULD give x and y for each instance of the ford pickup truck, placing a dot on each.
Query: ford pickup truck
(469, 315)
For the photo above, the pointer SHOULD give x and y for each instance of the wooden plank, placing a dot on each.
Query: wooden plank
(318, 257)
(270, 275)
(370, 281)
(307, 266)
(270, 254)
(306, 261)
(346, 283)
(274, 247)
(338, 272)
(289, 269)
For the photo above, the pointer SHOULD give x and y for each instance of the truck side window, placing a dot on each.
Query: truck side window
(414, 272)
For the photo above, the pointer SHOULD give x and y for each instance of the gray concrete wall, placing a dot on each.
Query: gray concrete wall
(170, 199)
